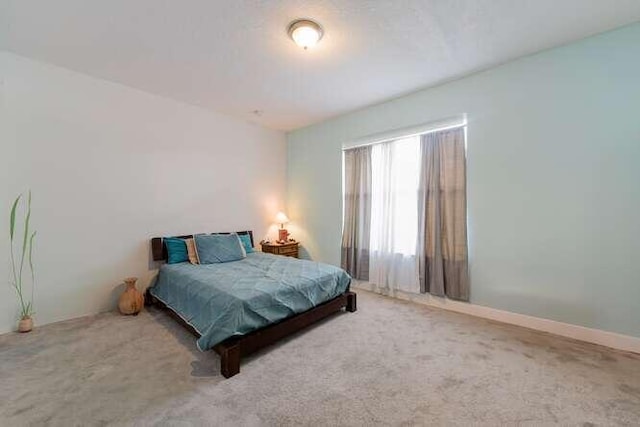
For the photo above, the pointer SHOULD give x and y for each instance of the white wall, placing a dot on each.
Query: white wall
(111, 167)
(553, 179)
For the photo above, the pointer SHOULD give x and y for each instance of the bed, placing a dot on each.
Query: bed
(236, 308)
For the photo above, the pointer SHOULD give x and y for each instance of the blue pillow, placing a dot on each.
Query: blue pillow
(246, 242)
(217, 248)
(176, 250)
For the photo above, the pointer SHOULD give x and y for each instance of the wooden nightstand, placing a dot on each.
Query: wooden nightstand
(286, 249)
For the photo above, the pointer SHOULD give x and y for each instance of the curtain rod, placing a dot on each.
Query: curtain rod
(397, 134)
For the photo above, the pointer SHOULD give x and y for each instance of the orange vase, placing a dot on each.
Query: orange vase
(131, 301)
(25, 324)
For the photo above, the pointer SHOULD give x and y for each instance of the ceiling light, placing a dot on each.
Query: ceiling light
(305, 33)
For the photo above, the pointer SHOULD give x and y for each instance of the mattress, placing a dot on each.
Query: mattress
(236, 298)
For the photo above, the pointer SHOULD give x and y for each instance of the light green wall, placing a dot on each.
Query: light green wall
(553, 179)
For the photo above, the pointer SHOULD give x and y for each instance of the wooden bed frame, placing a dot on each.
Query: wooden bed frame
(233, 349)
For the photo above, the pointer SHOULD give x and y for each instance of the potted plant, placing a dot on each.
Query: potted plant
(23, 245)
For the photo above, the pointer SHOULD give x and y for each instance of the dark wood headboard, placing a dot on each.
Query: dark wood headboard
(159, 249)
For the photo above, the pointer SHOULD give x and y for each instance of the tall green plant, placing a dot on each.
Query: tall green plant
(26, 254)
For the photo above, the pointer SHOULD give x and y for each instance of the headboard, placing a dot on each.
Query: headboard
(159, 249)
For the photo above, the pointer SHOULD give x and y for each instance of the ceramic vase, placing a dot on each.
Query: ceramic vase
(25, 324)
(131, 301)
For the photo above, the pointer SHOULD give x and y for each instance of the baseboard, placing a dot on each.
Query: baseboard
(595, 336)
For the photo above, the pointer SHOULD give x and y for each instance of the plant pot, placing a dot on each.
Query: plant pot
(131, 301)
(25, 324)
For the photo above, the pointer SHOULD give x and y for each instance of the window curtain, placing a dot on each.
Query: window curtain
(394, 220)
(357, 212)
(442, 215)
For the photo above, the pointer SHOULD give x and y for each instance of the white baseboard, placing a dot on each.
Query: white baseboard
(595, 336)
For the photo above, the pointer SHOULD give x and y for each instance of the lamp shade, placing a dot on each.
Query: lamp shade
(281, 218)
(305, 33)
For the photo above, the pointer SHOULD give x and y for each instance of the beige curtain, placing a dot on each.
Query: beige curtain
(442, 215)
(357, 212)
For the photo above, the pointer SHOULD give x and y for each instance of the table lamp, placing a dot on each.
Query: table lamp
(283, 234)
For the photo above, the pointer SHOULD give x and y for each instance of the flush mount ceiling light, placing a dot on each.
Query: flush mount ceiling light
(305, 33)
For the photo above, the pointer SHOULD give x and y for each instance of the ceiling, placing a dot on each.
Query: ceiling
(234, 57)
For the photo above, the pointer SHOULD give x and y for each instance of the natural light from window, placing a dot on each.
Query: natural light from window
(394, 209)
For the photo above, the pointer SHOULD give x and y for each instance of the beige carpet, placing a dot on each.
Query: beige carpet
(390, 363)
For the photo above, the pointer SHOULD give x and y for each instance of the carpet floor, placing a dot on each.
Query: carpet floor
(390, 363)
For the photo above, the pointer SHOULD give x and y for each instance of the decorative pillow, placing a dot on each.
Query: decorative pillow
(176, 250)
(192, 252)
(218, 248)
(246, 242)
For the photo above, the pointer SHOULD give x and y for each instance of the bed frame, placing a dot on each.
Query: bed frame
(235, 348)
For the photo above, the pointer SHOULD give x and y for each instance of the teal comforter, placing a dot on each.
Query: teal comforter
(235, 298)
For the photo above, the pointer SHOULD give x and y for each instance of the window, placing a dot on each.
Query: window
(404, 217)
(394, 191)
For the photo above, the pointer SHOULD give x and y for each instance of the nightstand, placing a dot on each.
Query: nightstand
(286, 249)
